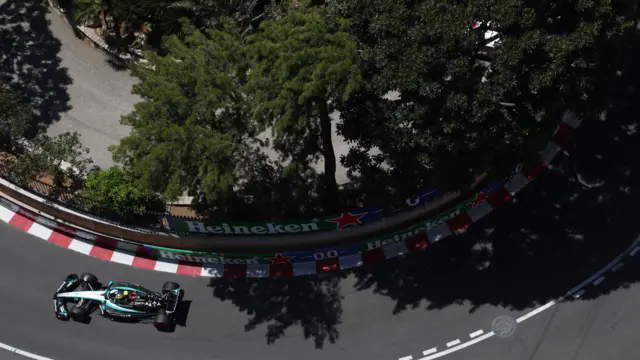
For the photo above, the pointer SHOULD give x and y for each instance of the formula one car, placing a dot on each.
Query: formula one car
(120, 301)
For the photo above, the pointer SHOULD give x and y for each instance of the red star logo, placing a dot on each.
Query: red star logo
(347, 218)
(281, 259)
(480, 198)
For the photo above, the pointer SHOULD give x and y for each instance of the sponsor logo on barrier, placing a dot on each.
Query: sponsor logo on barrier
(423, 198)
(341, 221)
(208, 259)
(402, 235)
(267, 228)
(416, 229)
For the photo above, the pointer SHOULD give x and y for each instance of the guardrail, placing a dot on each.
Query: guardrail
(242, 244)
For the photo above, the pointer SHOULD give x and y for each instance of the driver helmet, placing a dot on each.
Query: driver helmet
(125, 293)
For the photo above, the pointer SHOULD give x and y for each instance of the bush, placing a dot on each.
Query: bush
(15, 119)
(114, 194)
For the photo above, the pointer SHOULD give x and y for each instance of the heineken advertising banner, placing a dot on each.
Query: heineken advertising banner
(328, 253)
(335, 222)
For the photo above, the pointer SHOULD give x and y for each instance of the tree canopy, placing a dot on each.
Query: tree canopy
(15, 118)
(192, 131)
(464, 107)
(301, 66)
(480, 87)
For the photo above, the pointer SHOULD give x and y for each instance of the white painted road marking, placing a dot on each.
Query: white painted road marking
(578, 294)
(459, 347)
(406, 358)
(430, 351)
(23, 353)
(453, 343)
(476, 333)
(634, 251)
(598, 281)
(535, 311)
(617, 267)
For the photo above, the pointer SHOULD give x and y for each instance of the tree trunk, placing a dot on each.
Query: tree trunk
(103, 21)
(331, 187)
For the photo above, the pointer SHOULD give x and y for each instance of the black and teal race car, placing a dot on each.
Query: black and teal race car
(120, 301)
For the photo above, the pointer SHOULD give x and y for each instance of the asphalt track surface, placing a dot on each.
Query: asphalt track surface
(69, 82)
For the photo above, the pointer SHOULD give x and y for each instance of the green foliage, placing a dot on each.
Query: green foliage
(113, 193)
(15, 119)
(463, 108)
(302, 66)
(192, 131)
(45, 156)
(87, 11)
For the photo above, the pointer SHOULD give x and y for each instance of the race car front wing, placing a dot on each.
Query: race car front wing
(60, 303)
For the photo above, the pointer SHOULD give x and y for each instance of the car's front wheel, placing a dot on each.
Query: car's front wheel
(164, 323)
(89, 279)
(79, 314)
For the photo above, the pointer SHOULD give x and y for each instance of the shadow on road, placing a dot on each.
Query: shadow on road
(311, 303)
(29, 62)
(558, 231)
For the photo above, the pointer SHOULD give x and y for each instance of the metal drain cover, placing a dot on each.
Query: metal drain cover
(503, 326)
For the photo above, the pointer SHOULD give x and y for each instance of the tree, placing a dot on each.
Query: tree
(15, 119)
(113, 193)
(192, 130)
(164, 17)
(302, 66)
(465, 108)
(61, 157)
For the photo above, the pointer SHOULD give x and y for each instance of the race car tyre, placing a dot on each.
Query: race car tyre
(89, 278)
(79, 314)
(164, 323)
(169, 286)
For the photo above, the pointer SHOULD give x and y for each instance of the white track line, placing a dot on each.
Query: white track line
(535, 312)
(459, 347)
(406, 358)
(23, 353)
(453, 343)
(598, 281)
(617, 267)
(430, 351)
(476, 333)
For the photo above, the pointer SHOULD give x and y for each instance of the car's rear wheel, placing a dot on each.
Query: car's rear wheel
(164, 323)
(79, 314)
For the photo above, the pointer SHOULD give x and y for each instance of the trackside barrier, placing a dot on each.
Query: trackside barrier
(290, 263)
(242, 244)
(396, 228)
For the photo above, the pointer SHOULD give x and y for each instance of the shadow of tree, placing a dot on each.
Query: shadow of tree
(573, 220)
(312, 304)
(29, 59)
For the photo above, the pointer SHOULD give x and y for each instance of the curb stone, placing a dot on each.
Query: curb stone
(141, 256)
